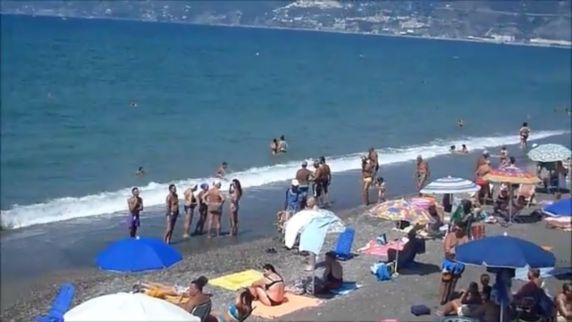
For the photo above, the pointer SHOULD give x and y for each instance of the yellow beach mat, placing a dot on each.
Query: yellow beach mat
(238, 280)
(158, 293)
(291, 304)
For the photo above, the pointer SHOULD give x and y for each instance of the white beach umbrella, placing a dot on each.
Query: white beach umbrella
(450, 185)
(549, 153)
(128, 307)
(300, 219)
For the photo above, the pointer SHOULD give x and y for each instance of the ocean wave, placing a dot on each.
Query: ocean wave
(154, 193)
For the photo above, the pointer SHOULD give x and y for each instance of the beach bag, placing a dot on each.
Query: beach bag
(383, 272)
(421, 309)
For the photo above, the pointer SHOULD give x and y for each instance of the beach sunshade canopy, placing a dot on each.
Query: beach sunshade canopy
(512, 175)
(562, 208)
(138, 255)
(313, 233)
(504, 252)
(128, 307)
(449, 185)
(395, 210)
(549, 153)
(300, 219)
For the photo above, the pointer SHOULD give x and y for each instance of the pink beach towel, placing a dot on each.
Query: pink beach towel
(373, 248)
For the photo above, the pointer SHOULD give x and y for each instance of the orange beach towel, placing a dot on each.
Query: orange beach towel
(292, 303)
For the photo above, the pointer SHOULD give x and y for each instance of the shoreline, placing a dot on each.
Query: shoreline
(388, 35)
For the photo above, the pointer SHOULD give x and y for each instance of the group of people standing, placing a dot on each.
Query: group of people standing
(318, 180)
(208, 200)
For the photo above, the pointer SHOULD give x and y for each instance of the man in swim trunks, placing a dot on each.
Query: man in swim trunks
(221, 171)
(189, 206)
(317, 175)
(326, 180)
(214, 200)
(563, 303)
(203, 212)
(367, 170)
(282, 144)
(172, 203)
(372, 155)
(423, 173)
(303, 175)
(524, 134)
(135, 204)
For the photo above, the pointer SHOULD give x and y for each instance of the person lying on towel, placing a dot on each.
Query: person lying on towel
(269, 290)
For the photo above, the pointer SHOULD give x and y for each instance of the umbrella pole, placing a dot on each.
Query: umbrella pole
(511, 196)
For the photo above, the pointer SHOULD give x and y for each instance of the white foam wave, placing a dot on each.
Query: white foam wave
(154, 193)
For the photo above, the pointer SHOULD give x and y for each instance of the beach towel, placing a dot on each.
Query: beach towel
(291, 304)
(60, 305)
(161, 294)
(522, 273)
(238, 280)
(375, 249)
(344, 245)
(346, 288)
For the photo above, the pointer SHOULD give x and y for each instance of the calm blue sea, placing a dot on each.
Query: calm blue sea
(71, 142)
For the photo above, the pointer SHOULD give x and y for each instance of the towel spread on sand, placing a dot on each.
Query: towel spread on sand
(373, 248)
(347, 287)
(291, 304)
(160, 294)
(238, 280)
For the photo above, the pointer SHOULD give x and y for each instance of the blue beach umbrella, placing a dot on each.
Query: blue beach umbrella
(138, 255)
(562, 208)
(504, 252)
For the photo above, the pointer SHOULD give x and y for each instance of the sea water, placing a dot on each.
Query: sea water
(86, 102)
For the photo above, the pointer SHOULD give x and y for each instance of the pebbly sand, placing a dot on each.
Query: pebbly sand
(374, 301)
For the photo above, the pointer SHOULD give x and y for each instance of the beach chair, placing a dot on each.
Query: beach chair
(202, 311)
(344, 245)
(528, 192)
(60, 305)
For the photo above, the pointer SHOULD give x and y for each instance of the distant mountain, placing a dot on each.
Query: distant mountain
(501, 21)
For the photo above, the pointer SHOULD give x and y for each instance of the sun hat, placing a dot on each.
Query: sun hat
(295, 182)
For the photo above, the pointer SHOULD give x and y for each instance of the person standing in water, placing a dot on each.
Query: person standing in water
(282, 144)
(422, 172)
(303, 175)
(524, 134)
(189, 206)
(214, 201)
(135, 204)
(203, 212)
(140, 172)
(367, 170)
(172, 203)
(235, 193)
(274, 146)
(372, 155)
(460, 123)
(326, 180)
(221, 171)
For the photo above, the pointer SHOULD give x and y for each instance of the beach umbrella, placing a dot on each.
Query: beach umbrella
(300, 219)
(128, 307)
(138, 255)
(450, 185)
(314, 232)
(562, 208)
(395, 210)
(549, 153)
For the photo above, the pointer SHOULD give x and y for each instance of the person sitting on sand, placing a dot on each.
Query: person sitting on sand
(489, 311)
(269, 290)
(467, 305)
(433, 228)
(238, 312)
(406, 251)
(563, 304)
(531, 288)
(333, 277)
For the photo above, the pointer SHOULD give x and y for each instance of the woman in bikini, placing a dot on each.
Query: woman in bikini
(235, 193)
(269, 290)
(190, 205)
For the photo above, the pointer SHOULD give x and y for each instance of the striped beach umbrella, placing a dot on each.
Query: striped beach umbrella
(512, 175)
(395, 210)
(549, 153)
(449, 185)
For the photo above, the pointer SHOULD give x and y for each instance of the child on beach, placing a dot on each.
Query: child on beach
(380, 185)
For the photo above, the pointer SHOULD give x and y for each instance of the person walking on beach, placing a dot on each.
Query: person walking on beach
(135, 204)
(235, 193)
(326, 179)
(282, 144)
(172, 203)
(367, 170)
(372, 155)
(524, 134)
(203, 212)
(303, 175)
(221, 171)
(214, 200)
(189, 207)
(423, 172)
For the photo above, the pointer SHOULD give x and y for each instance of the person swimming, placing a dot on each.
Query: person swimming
(140, 172)
(452, 149)
(460, 123)
(464, 149)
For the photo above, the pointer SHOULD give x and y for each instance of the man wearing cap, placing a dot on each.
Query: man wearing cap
(189, 206)
(303, 175)
(293, 198)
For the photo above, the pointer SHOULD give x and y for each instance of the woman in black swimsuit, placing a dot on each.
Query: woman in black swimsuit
(269, 290)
